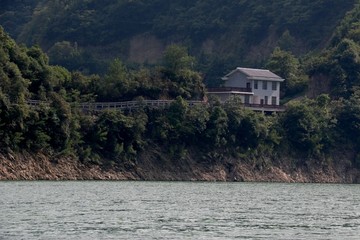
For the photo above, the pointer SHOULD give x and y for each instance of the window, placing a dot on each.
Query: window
(273, 100)
(274, 86)
(264, 85)
(255, 84)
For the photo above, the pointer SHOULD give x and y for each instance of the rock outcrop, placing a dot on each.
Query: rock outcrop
(40, 167)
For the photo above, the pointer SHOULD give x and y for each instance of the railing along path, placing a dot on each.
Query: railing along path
(129, 105)
(100, 106)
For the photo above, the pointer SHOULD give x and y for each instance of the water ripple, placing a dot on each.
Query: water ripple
(178, 210)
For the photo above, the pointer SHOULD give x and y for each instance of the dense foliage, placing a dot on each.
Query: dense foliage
(58, 126)
(308, 128)
(341, 62)
(86, 35)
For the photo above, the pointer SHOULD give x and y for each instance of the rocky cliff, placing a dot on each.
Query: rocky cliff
(40, 167)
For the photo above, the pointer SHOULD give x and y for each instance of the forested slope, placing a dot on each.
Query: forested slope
(318, 134)
(221, 34)
(311, 135)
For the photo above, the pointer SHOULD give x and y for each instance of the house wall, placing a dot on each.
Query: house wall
(237, 79)
(260, 93)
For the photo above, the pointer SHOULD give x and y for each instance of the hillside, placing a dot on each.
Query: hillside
(85, 35)
(315, 139)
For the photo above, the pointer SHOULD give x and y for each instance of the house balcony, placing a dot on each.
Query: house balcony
(265, 107)
(229, 89)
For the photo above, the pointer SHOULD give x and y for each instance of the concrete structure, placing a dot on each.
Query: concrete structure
(255, 87)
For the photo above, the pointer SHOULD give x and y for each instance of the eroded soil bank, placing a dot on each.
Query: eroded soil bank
(40, 167)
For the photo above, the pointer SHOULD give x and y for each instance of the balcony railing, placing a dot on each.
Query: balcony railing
(229, 89)
(279, 108)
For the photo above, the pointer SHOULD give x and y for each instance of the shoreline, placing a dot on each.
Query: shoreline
(27, 167)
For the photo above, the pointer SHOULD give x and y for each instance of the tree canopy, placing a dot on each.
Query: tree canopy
(310, 128)
(77, 34)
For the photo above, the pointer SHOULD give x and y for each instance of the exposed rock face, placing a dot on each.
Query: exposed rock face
(145, 48)
(40, 167)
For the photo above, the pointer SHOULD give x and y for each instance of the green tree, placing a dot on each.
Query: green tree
(217, 128)
(195, 124)
(286, 41)
(250, 131)
(117, 83)
(64, 54)
(178, 69)
(309, 125)
(176, 58)
(36, 134)
(349, 118)
(287, 66)
(116, 136)
(347, 55)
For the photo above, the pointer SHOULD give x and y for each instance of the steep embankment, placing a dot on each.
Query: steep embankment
(39, 167)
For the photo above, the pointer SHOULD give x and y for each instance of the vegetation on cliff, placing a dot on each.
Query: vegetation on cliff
(87, 35)
(209, 133)
(317, 129)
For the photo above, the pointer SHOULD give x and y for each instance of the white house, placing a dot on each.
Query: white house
(255, 87)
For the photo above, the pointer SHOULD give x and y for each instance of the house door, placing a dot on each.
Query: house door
(273, 101)
(266, 100)
(247, 99)
(262, 101)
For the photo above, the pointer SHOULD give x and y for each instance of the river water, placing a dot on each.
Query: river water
(178, 210)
